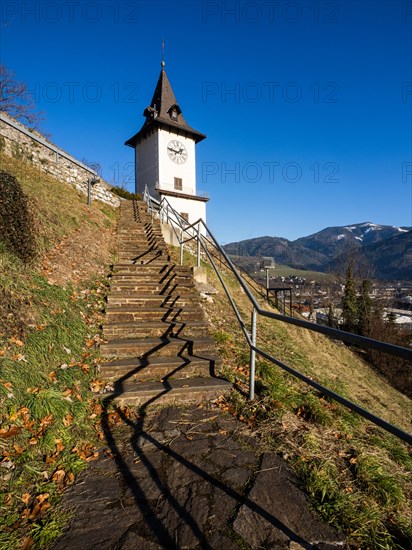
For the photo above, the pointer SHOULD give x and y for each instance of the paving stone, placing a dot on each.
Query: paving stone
(190, 447)
(193, 500)
(167, 418)
(236, 477)
(147, 488)
(94, 528)
(221, 542)
(179, 475)
(277, 510)
(94, 490)
(133, 541)
(222, 457)
(141, 464)
(105, 463)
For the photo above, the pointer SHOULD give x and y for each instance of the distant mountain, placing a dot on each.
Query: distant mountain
(331, 240)
(391, 258)
(387, 248)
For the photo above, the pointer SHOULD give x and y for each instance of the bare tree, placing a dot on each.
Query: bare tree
(15, 99)
(96, 166)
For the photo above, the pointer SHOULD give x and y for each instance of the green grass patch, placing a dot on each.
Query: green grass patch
(46, 407)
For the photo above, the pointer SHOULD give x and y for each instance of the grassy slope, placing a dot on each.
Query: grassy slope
(357, 476)
(49, 323)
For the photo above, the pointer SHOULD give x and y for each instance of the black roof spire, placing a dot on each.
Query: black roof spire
(164, 111)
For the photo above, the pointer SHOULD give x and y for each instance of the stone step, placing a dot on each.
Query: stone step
(138, 269)
(150, 270)
(166, 264)
(151, 263)
(132, 248)
(132, 234)
(156, 368)
(190, 390)
(174, 299)
(158, 347)
(146, 253)
(154, 277)
(149, 287)
(139, 259)
(148, 240)
(137, 313)
(148, 329)
(140, 244)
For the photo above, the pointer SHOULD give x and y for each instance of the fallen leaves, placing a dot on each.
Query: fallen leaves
(67, 420)
(27, 543)
(97, 385)
(9, 432)
(7, 385)
(22, 412)
(16, 342)
(19, 357)
(86, 452)
(62, 478)
(38, 509)
(44, 424)
(53, 377)
(59, 446)
(25, 498)
(18, 449)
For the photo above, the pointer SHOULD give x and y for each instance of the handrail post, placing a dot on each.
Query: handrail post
(198, 244)
(252, 357)
(181, 246)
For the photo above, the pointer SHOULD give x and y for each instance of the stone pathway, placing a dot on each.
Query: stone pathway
(188, 478)
(184, 477)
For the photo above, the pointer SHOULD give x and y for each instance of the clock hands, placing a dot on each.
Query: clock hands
(177, 151)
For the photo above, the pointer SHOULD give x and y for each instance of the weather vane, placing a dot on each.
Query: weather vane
(163, 53)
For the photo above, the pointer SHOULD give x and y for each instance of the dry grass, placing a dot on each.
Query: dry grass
(75, 242)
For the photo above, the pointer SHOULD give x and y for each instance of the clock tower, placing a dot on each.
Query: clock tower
(165, 153)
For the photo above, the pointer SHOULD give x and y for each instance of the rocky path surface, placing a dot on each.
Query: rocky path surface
(187, 478)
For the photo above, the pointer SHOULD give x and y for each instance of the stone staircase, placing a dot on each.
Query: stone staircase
(156, 338)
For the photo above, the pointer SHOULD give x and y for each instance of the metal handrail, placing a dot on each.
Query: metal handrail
(166, 212)
(59, 152)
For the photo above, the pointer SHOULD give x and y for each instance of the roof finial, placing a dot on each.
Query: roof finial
(163, 53)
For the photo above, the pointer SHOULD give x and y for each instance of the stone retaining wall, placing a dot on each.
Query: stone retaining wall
(18, 141)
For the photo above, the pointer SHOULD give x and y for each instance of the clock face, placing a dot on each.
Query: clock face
(177, 151)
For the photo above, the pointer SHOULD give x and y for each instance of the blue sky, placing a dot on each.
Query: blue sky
(307, 104)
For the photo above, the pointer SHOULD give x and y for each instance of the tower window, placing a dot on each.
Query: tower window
(174, 114)
(178, 184)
